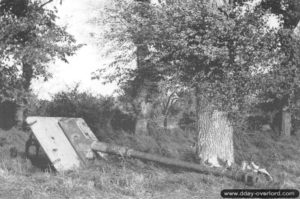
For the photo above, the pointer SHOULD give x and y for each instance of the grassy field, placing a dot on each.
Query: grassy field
(128, 178)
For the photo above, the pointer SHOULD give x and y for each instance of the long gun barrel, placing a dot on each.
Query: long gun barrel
(246, 177)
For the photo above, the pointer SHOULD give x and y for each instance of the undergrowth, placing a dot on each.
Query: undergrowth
(119, 177)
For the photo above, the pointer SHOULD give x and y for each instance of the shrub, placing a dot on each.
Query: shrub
(95, 110)
(187, 121)
(7, 114)
(100, 113)
(123, 121)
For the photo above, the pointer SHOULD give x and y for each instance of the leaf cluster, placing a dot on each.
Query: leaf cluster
(230, 55)
(96, 110)
(30, 37)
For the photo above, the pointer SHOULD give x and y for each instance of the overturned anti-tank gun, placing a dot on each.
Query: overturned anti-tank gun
(250, 174)
(70, 144)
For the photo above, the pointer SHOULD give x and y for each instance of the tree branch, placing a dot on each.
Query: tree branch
(166, 106)
(46, 3)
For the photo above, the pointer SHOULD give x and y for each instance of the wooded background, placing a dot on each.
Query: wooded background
(215, 68)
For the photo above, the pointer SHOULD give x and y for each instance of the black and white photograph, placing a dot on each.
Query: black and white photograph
(149, 99)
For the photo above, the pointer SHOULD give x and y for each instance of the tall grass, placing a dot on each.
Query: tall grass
(127, 178)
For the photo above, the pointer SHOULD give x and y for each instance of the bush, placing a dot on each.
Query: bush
(95, 110)
(100, 113)
(123, 121)
(187, 121)
(7, 114)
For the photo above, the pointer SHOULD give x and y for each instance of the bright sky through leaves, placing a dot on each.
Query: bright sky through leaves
(76, 15)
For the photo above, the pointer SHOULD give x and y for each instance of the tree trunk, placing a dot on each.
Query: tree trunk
(19, 115)
(166, 122)
(215, 139)
(109, 128)
(286, 123)
(141, 127)
(142, 52)
(22, 101)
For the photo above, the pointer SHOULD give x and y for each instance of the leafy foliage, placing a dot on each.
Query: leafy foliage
(29, 40)
(95, 110)
(7, 111)
(289, 10)
(230, 55)
(101, 113)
